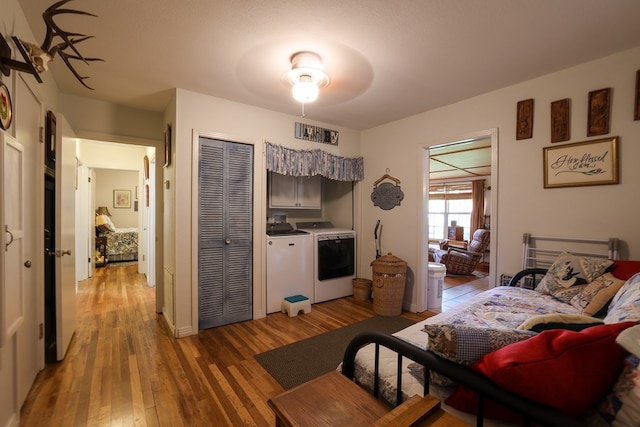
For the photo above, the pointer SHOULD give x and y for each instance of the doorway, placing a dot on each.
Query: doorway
(455, 160)
(118, 168)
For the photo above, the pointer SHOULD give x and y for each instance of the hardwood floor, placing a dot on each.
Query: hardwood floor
(458, 289)
(123, 367)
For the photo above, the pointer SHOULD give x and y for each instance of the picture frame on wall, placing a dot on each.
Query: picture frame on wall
(50, 140)
(524, 121)
(146, 167)
(122, 199)
(599, 112)
(636, 109)
(167, 146)
(560, 120)
(581, 163)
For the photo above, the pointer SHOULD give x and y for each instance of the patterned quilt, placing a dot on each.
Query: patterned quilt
(122, 245)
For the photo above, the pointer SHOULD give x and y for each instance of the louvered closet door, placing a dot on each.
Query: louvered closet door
(224, 241)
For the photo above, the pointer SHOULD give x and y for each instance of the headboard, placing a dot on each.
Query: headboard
(541, 251)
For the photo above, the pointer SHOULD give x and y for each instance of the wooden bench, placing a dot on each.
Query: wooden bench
(333, 400)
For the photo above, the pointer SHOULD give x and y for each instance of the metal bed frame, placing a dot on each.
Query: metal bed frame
(540, 251)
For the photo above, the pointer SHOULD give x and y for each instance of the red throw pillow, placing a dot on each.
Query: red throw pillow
(624, 269)
(568, 370)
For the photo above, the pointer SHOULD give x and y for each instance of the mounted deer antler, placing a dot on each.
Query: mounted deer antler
(38, 57)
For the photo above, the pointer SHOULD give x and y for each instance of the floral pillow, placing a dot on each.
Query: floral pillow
(569, 269)
(550, 285)
(597, 294)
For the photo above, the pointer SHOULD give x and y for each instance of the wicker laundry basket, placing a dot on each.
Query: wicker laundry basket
(389, 279)
(361, 289)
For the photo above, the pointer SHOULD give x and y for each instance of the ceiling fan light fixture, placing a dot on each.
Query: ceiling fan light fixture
(306, 76)
(305, 91)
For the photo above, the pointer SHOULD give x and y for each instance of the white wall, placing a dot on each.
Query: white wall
(92, 118)
(235, 122)
(523, 204)
(106, 155)
(108, 180)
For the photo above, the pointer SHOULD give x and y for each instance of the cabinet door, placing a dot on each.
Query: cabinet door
(225, 291)
(309, 192)
(282, 191)
(290, 192)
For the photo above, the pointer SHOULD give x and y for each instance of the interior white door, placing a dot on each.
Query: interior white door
(13, 289)
(29, 356)
(66, 170)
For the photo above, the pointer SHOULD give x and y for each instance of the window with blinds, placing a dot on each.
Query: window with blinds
(450, 204)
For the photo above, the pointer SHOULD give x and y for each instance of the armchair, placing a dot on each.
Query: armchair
(464, 261)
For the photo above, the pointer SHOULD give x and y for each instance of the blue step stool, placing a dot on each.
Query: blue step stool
(294, 304)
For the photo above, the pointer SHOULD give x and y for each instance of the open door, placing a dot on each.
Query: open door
(65, 206)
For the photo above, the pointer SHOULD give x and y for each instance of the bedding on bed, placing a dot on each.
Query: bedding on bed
(500, 308)
(504, 316)
(122, 244)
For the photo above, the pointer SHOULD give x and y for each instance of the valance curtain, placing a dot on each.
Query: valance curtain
(287, 161)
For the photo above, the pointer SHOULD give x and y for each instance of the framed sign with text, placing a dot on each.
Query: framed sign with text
(581, 163)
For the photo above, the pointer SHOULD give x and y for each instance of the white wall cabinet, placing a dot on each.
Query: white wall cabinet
(295, 192)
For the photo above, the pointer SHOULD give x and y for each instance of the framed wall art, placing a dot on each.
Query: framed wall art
(599, 112)
(122, 199)
(145, 161)
(581, 163)
(50, 140)
(636, 109)
(524, 121)
(560, 120)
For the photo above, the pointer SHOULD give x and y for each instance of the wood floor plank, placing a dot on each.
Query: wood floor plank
(124, 367)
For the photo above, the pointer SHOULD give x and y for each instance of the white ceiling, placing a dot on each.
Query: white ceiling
(386, 59)
(468, 160)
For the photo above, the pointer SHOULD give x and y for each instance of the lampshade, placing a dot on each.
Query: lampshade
(102, 210)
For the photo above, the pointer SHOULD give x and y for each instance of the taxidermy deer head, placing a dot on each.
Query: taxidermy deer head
(38, 57)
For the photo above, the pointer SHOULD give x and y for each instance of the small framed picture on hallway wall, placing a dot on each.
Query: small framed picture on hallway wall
(122, 199)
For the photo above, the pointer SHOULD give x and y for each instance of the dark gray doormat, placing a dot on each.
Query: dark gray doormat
(301, 361)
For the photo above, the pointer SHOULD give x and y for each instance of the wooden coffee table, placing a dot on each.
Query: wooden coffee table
(330, 400)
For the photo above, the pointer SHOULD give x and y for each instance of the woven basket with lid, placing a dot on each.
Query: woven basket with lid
(389, 278)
